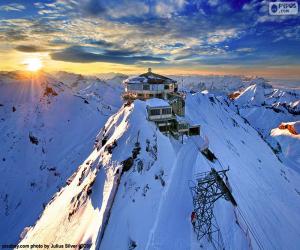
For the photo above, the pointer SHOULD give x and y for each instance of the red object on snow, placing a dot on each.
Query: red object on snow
(193, 216)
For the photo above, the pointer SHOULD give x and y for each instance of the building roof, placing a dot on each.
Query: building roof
(156, 103)
(150, 78)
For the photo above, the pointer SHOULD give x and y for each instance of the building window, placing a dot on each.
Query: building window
(163, 129)
(166, 111)
(194, 131)
(146, 87)
(182, 126)
(166, 86)
(154, 112)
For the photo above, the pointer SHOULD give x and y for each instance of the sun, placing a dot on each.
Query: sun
(33, 64)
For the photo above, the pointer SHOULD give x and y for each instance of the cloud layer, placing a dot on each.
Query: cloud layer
(160, 32)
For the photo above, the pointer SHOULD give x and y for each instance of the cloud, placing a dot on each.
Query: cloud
(161, 31)
(168, 8)
(30, 48)
(213, 2)
(100, 42)
(13, 35)
(127, 9)
(12, 7)
(222, 35)
(81, 54)
(246, 50)
(39, 30)
(39, 5)
(92, 7)
(117, 9)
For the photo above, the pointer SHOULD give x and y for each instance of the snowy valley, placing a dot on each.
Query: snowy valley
(81, 166)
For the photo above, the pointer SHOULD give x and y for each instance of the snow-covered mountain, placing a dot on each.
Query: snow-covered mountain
(128, 187)
(132, 191)
(214, 83)
(107, 92)
(285, 83)
(265, 108)
(262, 93)
(47, 130)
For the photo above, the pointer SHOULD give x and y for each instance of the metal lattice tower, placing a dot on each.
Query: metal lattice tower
(208, 189)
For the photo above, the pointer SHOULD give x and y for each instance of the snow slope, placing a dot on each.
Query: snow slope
(265, 108)
(101, 166)
(107, 92)
(149, 205)
(47, 130)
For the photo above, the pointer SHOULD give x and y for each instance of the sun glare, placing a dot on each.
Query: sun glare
(33, 64)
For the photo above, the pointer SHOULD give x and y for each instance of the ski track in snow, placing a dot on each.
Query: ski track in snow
(167, 229)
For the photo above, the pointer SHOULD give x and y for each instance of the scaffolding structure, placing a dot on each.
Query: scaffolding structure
(209, 187)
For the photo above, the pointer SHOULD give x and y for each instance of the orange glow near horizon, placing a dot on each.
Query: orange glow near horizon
(33, 62)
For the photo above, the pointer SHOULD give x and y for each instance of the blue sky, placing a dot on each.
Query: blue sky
(196, 34)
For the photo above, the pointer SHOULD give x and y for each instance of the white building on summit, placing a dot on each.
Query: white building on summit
(149, 85)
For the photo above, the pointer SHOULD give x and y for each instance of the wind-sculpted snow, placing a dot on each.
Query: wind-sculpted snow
(133, 189)
(47, 130)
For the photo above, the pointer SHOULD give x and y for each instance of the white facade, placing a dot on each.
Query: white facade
(158, 109)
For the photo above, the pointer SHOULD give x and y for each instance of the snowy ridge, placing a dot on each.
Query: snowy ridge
(102, 169)
(152, 205)
(46, 132)
(263, 94)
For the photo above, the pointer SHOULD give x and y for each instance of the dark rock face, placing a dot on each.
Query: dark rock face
(33, 139)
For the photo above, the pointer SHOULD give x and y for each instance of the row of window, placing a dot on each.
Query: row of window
(147, 87)
(165, 111)
(183, 126)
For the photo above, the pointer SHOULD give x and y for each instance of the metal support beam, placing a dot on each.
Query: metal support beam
(209, 187)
